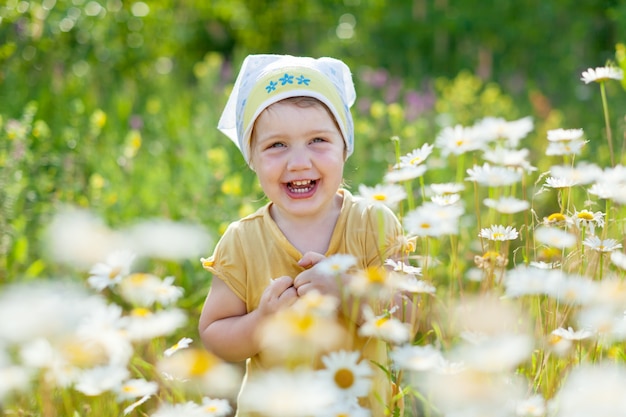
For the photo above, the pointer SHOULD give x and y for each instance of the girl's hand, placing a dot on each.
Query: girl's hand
(278, 295)
(311, 280)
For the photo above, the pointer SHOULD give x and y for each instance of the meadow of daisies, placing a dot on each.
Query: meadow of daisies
(513, 255)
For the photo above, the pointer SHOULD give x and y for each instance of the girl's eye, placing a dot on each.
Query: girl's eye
(317, 140)
(276, 145)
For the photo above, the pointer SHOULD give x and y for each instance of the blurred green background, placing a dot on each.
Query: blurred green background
(112, 105)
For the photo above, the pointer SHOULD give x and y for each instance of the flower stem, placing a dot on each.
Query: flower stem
(605, 108)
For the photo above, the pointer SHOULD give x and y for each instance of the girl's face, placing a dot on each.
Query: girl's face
(297, 152)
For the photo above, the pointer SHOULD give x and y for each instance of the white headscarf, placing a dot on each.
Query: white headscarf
(267, 79)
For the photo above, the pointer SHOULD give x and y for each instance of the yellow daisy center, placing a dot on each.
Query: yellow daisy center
(556, 217)
(375, 275)
(115, 271)
(379, 197)
(140, 312)
(344, 378)
(138, 278)
(425, 225)
(416, 160)
(585, 216)
(201, 363)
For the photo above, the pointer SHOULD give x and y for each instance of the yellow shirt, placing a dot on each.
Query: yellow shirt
(253, 251)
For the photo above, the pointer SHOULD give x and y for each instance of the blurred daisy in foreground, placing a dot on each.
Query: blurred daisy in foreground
(573, 147)
(404, 172)
(95, 381)
(402, 267)
(143, 324)
(554, 237)
(446, 188)
(446, 200)
(385, 327)
(217, 407)
(143, 289)
(183, 343)
(600, 74)
(345, 371)
(592, 390)
(502, 352)
(177, 410)
(279, 393)
(416, 358)
(499, 233)
(110, 272)
(619, 259)
(493, 176)
(199, 369)
(346, 409)
(507, 205)
(512, 158)
(534, 406)
(383, 194)
(135, 388)
(524, 280)
(601, 245)
(336, 264)
(582, 173)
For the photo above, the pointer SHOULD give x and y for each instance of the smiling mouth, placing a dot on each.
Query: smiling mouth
(301, 186)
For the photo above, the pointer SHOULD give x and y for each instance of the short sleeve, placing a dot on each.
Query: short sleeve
(225, 263)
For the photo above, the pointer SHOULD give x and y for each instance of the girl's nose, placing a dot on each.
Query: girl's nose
(299, 159)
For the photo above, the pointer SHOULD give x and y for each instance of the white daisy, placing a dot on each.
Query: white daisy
(383, 194)
(564, 135)
(446, 199)
(95, 381)
(553, 182)
(416, 358)
(582, 173)
(555, 237)
(402, 267)
(433, 220)
(446, 188)
(601, 245)
(346, 409)
(458, 140)
(411, 284)
(524, 280)
(216, 407)
(495, 353)
(280, 393)
(143, 324)
(183, 343)
(417, 156)
(512, 158)
(385, 327)
(347, 373)
(336, 264)
(144, 289)
(177, 410)
(493, 176)
(573, 147)
(535, 406)
(135, 388)
(574, 290)
(592, 390)
(571, 334)
(507, 205)
(110, 273)
(600, 74)
(588, 219)
(499, 232)
(494, 128)
(404, 172)
(619, 259)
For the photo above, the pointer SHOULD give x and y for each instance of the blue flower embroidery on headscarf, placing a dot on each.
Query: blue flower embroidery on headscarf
(271, 86)
(286, 79)
(303, 80)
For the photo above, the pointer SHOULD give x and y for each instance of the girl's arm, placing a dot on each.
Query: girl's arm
(227, 329)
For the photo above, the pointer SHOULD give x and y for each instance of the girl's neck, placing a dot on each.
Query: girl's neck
(311, 233)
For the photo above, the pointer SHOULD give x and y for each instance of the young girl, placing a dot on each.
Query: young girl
(290, 116)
